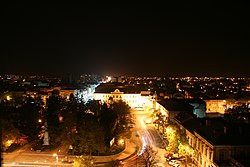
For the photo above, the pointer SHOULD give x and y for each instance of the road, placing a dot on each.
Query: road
(148, 136)
(25, 157)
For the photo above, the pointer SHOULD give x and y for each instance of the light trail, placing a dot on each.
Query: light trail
(143, 125)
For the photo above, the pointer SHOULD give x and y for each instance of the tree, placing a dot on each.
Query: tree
(160, 120)
(173, 138)
(177, 142)
(90, 137)
(108, 120)
(148, 157)
(9, 134)
(84, 161)
(55, 105)
(95, 106)
(28, 118)
(124, 118)
(71, 116)
(186, 151)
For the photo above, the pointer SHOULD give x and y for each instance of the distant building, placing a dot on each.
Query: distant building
(198, 106)
(216, 106)
(135, 96)
(65, 93)
(114, 79)
(120, 79)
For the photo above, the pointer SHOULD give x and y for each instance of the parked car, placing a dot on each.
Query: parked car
(172, 162)
(168, 156)
(176, 165)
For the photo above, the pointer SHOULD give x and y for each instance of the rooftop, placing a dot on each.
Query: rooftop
(111, 87)
(216, 130)
(176, 105)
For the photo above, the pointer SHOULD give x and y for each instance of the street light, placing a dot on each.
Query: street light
(8, 97)
(9, 142)
(121, 142)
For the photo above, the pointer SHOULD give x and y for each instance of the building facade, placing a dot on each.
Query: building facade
(138, 100)
(215, 144)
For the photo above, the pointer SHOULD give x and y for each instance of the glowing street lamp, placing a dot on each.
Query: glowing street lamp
(9, 142)
(121, 142)
(8, 98)
(55, 155)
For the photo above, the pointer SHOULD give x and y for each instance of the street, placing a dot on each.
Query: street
(148, 136)
(25, 157)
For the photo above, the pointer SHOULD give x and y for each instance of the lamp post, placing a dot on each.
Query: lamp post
(121, 142)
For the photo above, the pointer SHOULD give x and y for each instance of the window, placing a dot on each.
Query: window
(210, 155)
(201, 148)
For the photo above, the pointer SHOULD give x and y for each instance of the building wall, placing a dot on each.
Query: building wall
(216, 106)
(134, 100)
(205, 152)
(66, 93)
(208, 154)
(162, 109)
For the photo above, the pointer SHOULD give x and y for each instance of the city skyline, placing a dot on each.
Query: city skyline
(125, 38)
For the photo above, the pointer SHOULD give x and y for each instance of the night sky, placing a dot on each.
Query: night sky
(125, 38)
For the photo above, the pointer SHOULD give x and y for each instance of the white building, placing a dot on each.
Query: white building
(137, 98)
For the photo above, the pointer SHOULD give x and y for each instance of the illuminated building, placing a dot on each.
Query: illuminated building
(216, 143)
(136, 97)
(83, 95)
(65, 93)
(216, 106)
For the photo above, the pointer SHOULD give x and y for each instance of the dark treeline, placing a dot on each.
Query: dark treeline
(85, 128)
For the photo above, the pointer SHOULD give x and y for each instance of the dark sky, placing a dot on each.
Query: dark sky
(125, 38)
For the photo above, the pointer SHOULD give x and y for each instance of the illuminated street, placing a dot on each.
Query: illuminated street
(25, 157)
(148, 136)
